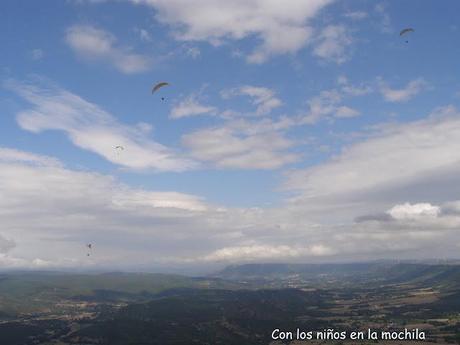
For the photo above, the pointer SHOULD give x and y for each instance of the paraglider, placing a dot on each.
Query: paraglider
(119, 148)
(159, 86)
(405, 32)
(90, 249)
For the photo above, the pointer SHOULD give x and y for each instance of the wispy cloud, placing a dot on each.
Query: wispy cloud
(8, 155)
(332, 44)
(144, 35)
(267, 252)
(353, 90)
(92, 128)
(135, 226)
(399, 154)
(385, 24)
(193, 52)
(77, 207)
(356, 15)
(264, 99)
(328, 104)
(404, 94)
(234, 147)
(37, 54)
(6, 245)
(96, 44)
(191, 106)
(345, 112)
(282, 27)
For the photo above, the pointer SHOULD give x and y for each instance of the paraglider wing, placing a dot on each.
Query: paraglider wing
(119, 149)
(158, 86)
(90, 249)
(405, 31)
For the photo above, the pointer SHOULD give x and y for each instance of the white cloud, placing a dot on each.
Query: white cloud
(144, 35)
(12, 155)
(264, 99)
(131, 226)
(282, 27)
(332, 44)
(91, 128)
(193, 52)
(323, 105)
(425, 219)
(127, 198)
(266, 252)
(344, 112)
(6, 245)
(353, 90)
(138, 228)
(37, 54)
(413, 211)
(385, 24)
(356, 15)
(190, 106)
(404, 94)
(81, 2)
(328, 104)
(77, 207)
(228, 147)
(389, 162)
(96, 44)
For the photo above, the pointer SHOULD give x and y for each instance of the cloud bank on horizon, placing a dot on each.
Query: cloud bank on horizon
(292, 131)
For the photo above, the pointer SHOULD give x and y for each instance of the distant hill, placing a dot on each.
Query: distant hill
(278, 269)
(28, 292)
(441, 275)
(241, 305)
(31, 291)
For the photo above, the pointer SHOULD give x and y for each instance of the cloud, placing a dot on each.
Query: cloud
(344, 112)
(233, 147)
(6, 245)
(328, 104)
(413, 211)
(385, 24)
(130, 199)
(12, 155)
(135, 228)
(37, 54)
(397, 163)
(332, 44)
(77, 207)
(263, 98)
(266, 252)
(190, 106)
(144, 35)
(281, 27)
(193, 52)
(96, 44)
(356, 15)
(348, 89)
(405, 94)
(92, 128)
(128, 227)
(427, 220)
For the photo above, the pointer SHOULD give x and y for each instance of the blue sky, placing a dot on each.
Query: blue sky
(290, 131)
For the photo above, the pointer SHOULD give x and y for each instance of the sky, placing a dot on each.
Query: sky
(290, 131)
